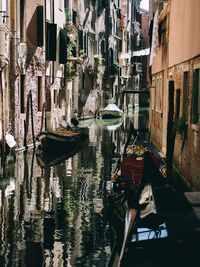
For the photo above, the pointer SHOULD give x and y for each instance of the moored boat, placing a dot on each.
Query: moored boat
(145, 210)
(111, 111)
(61, 139)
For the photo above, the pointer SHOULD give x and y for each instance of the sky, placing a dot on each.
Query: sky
(144, 4)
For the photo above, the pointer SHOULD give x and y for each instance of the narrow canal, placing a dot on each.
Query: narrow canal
(57, 215)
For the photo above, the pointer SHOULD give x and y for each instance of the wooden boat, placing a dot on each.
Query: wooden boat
(62, 139)
(146, 210)
(110, 111)
(129, 196)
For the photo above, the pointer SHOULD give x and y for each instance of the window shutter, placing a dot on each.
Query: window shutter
(195, 96)
(63, 47)
(40, 40)
(110, 24)
(80, 34)
(87, 43)
(51, 41)
(103, 3)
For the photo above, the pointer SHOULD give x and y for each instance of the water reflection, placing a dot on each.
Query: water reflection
(57, 215)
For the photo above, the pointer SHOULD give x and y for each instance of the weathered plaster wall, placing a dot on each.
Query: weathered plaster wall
(187, 159)
(184, 37)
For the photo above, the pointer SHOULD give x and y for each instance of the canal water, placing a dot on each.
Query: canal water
(56, 215)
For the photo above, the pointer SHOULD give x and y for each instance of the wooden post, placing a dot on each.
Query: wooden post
(26, 123)
(32, 122)
(43, 117)
(170, 132)
(2, 123)
(25, 142)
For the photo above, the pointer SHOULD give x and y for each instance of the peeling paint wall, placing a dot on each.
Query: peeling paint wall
(178, 55)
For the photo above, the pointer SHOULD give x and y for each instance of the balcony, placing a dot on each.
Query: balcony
(75, 60)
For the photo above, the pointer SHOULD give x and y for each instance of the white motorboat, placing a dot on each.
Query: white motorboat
(111, 111)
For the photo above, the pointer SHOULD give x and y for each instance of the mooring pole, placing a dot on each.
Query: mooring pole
(2, 123)
(32, 123)
(170, 133)
(26, 123)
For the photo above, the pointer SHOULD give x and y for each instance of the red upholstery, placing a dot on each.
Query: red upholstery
(134, 168)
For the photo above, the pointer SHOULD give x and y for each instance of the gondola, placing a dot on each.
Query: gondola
(143, 207)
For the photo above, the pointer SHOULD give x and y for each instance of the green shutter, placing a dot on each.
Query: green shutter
(40, 26)
(51, 41)
(80, 35)
(63, 47)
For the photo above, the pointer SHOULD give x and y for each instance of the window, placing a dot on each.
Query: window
(153, 89)
(4, 11)
(68, 11)
(48, 10)
(83, 41)
(185, 94)
(85, 38)
(40, 26)
(55, 98)
(177, 111)
(162, 29)
(51, 35)
(103, 48)
(63, 47)
(160, 95)
(22, 93)
(4, 5)
(47, 94)
(157, 94)
(195, 97)
(39, 93)
(22, 31)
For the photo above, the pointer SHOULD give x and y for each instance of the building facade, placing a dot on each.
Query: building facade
(64, 59)
(175, 76)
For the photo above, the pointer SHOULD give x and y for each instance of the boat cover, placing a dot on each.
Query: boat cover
(112, 107)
